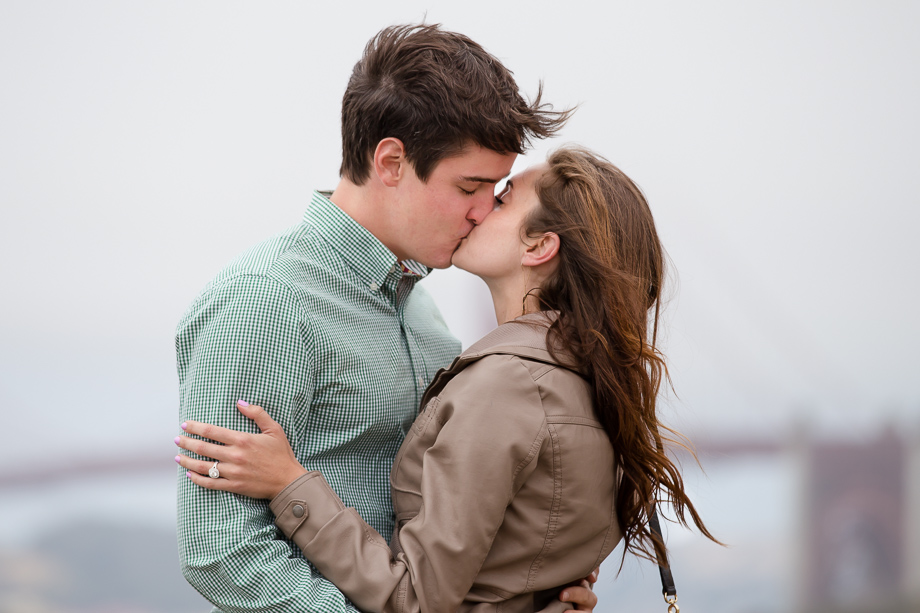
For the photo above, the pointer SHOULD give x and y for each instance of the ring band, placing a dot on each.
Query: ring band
(214, 473)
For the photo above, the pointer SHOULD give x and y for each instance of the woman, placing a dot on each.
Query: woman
(537, 450)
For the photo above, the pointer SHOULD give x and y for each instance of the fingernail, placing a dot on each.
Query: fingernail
(176, 440)
(188, 474)
(242, 403)
(184, 425)
(564, 596)
(177, 459)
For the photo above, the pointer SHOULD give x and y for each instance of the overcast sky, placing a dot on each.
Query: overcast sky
(144, 144)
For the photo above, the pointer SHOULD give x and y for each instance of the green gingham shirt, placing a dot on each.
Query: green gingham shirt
(319, 325)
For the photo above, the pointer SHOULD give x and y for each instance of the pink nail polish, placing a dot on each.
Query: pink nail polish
(188, 474)
(177, 459)
(184, 425)
(176, 440)
(242, 403)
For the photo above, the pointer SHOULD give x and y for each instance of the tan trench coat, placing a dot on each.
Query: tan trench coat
(503, 491)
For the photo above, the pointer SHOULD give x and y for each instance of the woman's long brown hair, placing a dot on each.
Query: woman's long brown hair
(607, 289)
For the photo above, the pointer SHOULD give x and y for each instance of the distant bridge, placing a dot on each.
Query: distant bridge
(78, 468)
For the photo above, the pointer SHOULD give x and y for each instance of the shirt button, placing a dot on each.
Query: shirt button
(374, 287)
(298, 511)
(421, 382)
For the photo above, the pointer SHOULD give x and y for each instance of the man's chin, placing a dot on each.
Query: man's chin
(439, 263)
(453, 256)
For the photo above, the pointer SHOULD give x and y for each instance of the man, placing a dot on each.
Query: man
(322, 324)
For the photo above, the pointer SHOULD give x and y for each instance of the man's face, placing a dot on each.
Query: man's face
(436, 215)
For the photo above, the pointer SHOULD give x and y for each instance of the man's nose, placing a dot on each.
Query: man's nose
(481, 208)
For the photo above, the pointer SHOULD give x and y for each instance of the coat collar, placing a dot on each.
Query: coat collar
(525, 337)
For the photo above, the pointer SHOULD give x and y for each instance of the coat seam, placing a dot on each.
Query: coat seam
(553, 522)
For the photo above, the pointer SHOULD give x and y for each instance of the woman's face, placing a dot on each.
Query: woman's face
(493, 249)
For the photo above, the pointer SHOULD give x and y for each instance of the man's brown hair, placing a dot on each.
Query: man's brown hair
(436, 91)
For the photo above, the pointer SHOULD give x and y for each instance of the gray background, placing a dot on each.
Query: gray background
(143, 144)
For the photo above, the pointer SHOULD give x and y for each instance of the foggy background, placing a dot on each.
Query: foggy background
(144, 144)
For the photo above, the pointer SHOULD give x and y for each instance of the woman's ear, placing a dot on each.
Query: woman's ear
(542, 251)
(390, 161)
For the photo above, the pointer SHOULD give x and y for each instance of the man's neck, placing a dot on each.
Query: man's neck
(363, 204)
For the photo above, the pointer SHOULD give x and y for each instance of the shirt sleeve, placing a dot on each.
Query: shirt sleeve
(493, 429)
(249, 339)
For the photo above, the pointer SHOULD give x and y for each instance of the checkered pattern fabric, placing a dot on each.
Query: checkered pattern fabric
(322, 327)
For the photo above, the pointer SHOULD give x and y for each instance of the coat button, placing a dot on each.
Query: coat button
(298, 511)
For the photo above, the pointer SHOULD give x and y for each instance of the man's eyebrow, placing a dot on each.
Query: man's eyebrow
(480, 179)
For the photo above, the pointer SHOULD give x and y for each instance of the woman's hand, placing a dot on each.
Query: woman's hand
(254, 465)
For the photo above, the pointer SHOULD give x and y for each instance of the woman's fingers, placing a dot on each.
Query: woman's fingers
(198, 472)
(202, 448)
(199, 466)
(214, 433)
(207, 482)
(259, 415)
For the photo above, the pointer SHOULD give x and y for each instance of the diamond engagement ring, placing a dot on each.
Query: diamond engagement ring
(213, 472)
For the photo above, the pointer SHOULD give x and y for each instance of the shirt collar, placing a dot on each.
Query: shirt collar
(411, 268)
(354, 243)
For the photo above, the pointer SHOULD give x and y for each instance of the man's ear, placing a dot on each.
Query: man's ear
(542, 251)
(390, 161)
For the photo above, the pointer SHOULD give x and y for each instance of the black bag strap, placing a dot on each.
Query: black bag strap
(668, 588)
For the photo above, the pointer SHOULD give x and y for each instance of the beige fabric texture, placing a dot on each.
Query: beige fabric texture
(503, 491)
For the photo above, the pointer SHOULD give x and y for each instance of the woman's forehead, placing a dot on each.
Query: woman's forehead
(530, 174)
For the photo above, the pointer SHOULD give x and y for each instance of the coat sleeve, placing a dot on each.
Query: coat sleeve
(493, 429)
